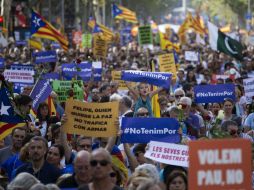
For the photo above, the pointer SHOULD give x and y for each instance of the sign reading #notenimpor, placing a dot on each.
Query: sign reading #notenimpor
(143, 130)
(214, 93)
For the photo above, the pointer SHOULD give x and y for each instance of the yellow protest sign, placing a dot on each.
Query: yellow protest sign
(100, 46)
(116, 76)
(167, 64)
(91, 119)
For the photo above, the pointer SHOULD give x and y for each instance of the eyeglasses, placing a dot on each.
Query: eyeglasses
(179, 96)
(112, 174)
(101, 162)
(143, 114)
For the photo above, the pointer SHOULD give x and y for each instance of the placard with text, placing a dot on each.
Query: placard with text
(220, 165)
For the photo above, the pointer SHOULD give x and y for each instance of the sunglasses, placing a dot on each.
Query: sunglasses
(179, 96)
(112, 174)
(143, 114)
(101, 162)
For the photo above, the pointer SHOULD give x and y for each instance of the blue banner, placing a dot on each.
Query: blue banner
(40, 92)
(18, 87)
(97, 74)
(214, 93)
(83, 72)
(1, 63)
(143, 130)
(55, 45)
(22, 67)
(51, 76)
(45, 56)
(154, 78)
(21, 43)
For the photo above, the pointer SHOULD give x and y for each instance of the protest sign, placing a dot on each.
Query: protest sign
(191, 56)
(20, 76)
(62, 88)
(116, 76)
(18, 87)
(45, 56)
(91, 119)
(168, 153)
(214, 93)
(154, 78)
(2, 63)
(220, 164)
(167, 64)
(81, 71)
(145, 35)
(100, 47)
(40, 93)
(97, 70)
(142, 130)
(248, 87)
(86, 40)
(22, 67)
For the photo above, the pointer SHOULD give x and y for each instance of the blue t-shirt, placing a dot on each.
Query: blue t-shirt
(11, 164)
(141, 103)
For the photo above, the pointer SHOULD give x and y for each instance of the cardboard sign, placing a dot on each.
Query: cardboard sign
(214, 93)
(91, 119)
(86, 40)
(20, 76)
(100, 47)
(116, 76)
(167, 64)
(220, 165)
(145, 35)
(191, 56)
(168, 153)
(62, 88)
(248, 87)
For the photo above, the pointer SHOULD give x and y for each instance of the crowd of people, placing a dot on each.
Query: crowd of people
(40, 155)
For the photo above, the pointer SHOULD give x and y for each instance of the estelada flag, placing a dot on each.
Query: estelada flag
(41, 28)
(8, 118)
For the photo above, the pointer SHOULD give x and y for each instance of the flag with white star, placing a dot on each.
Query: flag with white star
(121, 12)
(41, 28)
(8, 119)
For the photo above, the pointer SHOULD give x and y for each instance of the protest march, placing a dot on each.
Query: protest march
(126, 95)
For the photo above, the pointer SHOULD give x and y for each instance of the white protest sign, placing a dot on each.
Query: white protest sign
(21, 76)
(191, 56)
(97, 64)
(248, 87)
(168, 153)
